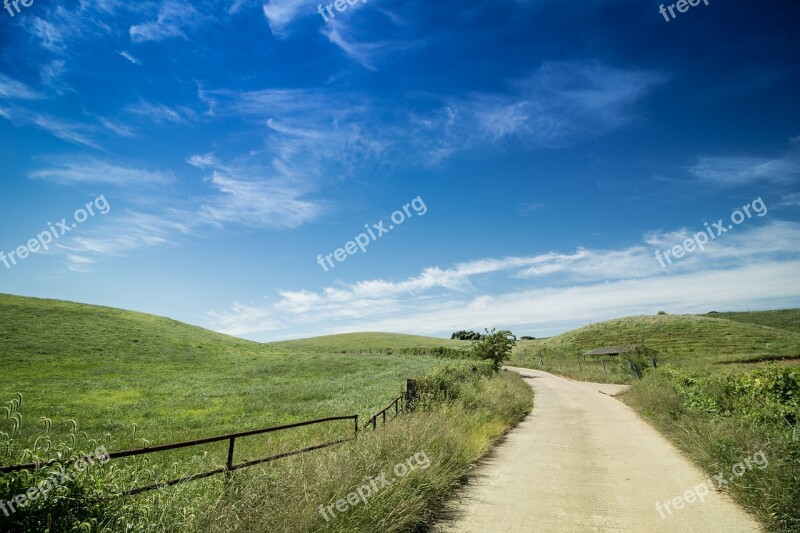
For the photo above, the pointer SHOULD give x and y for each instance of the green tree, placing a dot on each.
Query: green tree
(465, 335)
(495, 346)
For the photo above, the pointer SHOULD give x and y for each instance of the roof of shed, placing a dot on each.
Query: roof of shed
(612, 350)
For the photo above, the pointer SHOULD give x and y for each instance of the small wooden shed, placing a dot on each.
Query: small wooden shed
(612, 351)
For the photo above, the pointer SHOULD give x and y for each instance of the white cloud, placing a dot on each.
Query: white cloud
(790, 200)
(68, 130)
(82, 170)
(281, 13)
(744, 170)
(256, 202)
(14, 90)
(128, 56)
(202, 160)
(554, 287)
(160, 113)
(175, 17)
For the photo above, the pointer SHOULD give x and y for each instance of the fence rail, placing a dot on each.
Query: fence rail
(400, 404)
(397, 403)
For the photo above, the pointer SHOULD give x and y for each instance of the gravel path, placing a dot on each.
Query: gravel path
(584, 461)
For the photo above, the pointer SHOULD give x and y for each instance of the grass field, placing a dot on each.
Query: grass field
(109, 369)
(131, 380)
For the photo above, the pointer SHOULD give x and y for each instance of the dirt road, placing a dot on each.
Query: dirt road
(584, 461)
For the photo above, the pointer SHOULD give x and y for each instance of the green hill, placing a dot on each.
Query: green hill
(370, 342)
(109, 369)
(788, 319)
(688, 337)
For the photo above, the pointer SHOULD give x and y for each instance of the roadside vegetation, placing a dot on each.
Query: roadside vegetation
(718, 419)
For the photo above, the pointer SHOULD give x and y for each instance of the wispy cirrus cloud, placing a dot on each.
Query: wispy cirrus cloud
(160, 113)
(73, 171)
(745, 169)
(202, 160)
(174, 19)
(256, 201)
(11, 89)
(127, 55)
(281, 13)
(68, 130)
(365, 53)
(234, 196)
(560, 102)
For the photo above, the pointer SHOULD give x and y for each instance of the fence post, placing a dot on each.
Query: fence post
(229, 464)
(411, 393)
(374, 422)
(356, 420)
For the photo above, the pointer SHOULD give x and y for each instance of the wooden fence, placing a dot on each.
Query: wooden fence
(400, 404)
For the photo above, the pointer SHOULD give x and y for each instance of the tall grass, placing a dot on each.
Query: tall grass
(721, 419)
(462, 410)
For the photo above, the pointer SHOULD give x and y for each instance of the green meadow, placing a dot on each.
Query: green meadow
(92, 375)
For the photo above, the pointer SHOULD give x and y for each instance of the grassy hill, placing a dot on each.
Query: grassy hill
(685, 340)
(788, 319)
(370, 342)
(677, 335)
(109, 369)
(133, 380)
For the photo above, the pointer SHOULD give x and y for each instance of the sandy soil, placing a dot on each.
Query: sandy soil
(584, 461)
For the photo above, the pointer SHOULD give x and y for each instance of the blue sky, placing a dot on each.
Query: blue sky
(556, 146)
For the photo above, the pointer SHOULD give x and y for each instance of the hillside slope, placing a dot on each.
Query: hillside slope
(109, 369)
(369, 342)
(788, 319)
(675, 335)
(33, 326)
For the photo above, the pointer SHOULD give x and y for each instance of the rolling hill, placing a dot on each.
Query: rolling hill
(689, 339)
(110, 369)
(369, 342)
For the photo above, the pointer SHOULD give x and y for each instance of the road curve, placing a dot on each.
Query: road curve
(584, 461)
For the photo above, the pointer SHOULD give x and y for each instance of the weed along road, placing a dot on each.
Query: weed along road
(584, 461)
